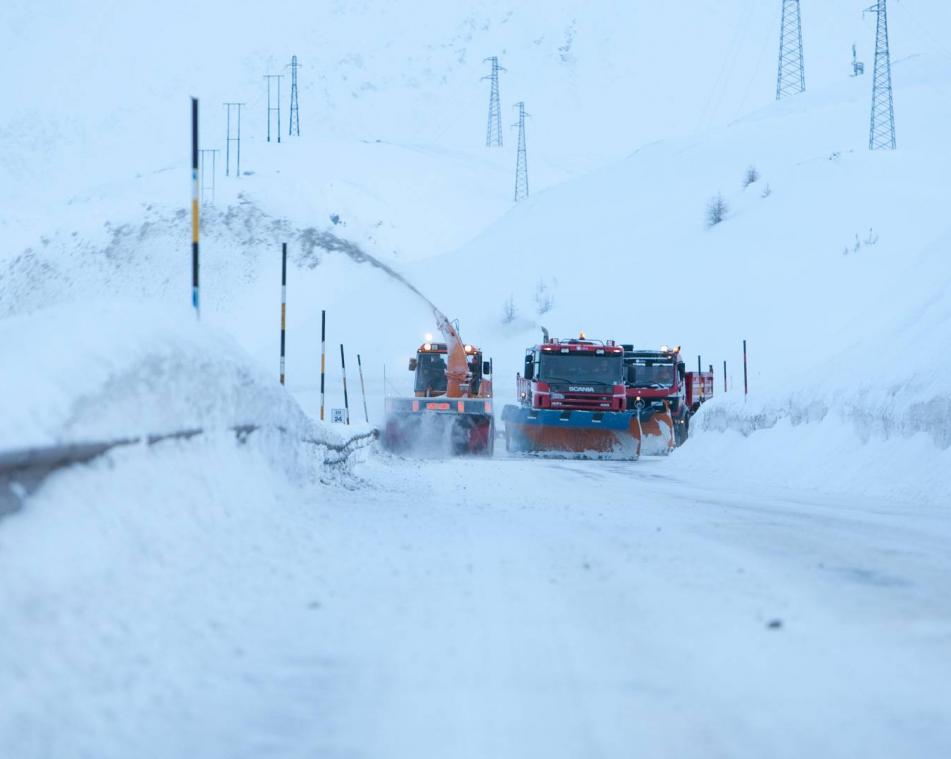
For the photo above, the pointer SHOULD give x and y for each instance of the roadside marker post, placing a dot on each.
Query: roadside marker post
(746, 383)
(343, 369)
(196, 301)
(283, 304)
(363, 390)
(323, 359)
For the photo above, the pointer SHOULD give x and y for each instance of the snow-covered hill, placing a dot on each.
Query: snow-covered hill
(831, 265)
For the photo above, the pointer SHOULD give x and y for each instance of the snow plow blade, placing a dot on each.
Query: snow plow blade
(574, 434)
(439, 426)
(657, 431)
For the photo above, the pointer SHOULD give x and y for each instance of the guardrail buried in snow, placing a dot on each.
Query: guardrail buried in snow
(23, 471)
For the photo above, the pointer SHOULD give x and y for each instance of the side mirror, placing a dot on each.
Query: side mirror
(487, 367)
(412, 364)
(681, 370)
(529, 369)
(631, 374)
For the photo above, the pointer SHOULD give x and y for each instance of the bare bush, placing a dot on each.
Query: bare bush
(717, 210)
(751, 176)
(544, 298)
(509, 311)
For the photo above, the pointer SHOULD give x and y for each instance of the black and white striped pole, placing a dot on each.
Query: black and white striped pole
(283, 304)
(196, 301)
(343, 368)
(323, 359)
(363, 390)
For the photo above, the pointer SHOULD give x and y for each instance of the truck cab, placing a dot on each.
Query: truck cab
(659, 380)
(431, 370)
(653, 377)
(573, 375)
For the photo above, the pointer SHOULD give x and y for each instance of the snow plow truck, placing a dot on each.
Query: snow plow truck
(666, 396)
(572, 401)
(451, 409)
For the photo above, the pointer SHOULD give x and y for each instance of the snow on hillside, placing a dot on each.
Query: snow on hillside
(822, 264)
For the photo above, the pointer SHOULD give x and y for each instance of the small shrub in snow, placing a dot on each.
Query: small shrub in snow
(544, 298)
(871, 239)
(716, 210)
(509, 312)
(767, 192)
(751, 177)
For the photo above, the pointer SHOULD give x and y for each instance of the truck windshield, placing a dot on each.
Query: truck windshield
(431, 373)
(581, 368)
(649, 374)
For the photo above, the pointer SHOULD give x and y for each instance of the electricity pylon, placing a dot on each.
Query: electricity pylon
(521, 162)
(882, 128)
(791, 78)
(493, 131)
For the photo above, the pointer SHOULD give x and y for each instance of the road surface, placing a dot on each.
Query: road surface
(469, 608)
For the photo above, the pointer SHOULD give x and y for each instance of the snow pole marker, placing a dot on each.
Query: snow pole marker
(725, 388)
(363, 390)
(283, 304)
(343, 369)
(323, 359)
(700, 378)
(196, 302)
(746, 384)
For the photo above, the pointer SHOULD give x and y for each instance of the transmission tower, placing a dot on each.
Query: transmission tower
(521, 162)
(273, 108)
(204, 184)
(791, 78)
(236, 140)
(882, 129)
(294, 127)
(493, 131)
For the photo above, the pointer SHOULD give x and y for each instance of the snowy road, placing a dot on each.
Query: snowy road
(497, 608)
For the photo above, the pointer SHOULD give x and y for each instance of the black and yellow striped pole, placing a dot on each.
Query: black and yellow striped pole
(323, 359)
(283, 304)
(343, 368)
(363, 390)
(196, 303)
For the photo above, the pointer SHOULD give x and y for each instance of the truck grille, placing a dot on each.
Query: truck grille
(583, 402)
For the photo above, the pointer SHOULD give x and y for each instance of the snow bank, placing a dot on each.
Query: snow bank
(121, 369)
(902, 456)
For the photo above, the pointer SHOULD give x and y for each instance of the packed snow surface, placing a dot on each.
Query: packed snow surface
(465, 609)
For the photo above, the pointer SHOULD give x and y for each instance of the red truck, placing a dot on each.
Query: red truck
(572, 400)
(657, 381)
